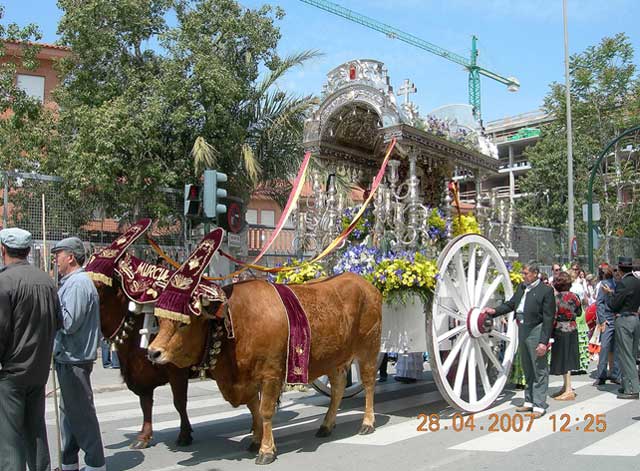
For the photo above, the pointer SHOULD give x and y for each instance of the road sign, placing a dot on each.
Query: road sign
(234, 240)
(595, 212)
(574, 247)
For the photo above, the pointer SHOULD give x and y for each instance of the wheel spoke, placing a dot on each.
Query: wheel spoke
(473, 394)
(491, 356)
(482, 276)
(490, 290)
(462, 279)
(462, 366)
(482, 368)
(451, 333)
(500, 335)
(455, 295)
(454, 353)
(471, 275)
(449, 311)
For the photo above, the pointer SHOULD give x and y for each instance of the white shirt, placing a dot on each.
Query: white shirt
(527, 288)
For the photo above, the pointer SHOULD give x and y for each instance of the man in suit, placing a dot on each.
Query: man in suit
(535, 307)
(625, 303)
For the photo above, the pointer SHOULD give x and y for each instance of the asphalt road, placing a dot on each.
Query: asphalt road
(221, 432)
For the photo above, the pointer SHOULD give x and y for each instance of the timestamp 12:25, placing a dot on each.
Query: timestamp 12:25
(593, 423)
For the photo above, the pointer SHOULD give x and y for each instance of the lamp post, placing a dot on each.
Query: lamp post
(567, 78)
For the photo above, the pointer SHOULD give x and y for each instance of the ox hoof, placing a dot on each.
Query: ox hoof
(184, 441)
(324, 431)
(253, 447)
(265, 458)
(366, 429)
(140, 443)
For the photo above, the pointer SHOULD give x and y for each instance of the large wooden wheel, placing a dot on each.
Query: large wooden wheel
(470, 354)
(354, 385)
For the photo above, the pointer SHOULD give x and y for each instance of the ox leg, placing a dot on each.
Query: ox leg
(145, 435)
(179, 382)
(270, 394)
(338, 379)
(256, 426)
(368, 369)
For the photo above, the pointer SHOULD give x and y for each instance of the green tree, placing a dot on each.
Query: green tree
(605, 99)
(138, 94)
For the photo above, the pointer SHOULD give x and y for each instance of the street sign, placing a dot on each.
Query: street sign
(234, 240)
(574, 247)
(595, 212)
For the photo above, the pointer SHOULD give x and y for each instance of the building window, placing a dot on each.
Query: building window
(289, 222)
(268, 218)
(252, 217)
(32, 85)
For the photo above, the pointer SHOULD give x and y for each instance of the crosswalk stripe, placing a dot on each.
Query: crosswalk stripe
(390, 434)
(509, 441)
(136, 413)
(385, 407)
(622, 443)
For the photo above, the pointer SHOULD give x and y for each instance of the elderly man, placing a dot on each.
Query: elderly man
(29, 318)
(535, 307)
(74, 353)
(625, 303)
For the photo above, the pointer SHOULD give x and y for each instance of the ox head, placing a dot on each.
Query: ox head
(180, 343)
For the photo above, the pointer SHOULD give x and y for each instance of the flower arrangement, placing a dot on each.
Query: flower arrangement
(364, 226)
(301, 271)
(465, 224)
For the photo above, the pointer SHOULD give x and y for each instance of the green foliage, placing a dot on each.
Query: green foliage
(605, 100)
(139, 95)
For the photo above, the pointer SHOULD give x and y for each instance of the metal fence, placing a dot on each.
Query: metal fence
(27, 197)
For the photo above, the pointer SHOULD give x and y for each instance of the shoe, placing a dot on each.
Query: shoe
(567, 396)
(524, 409)
(559, 392)
(614, 380)
(537, 415)
(404, 380)
(628, 396)
(382, 379)
(599, 382)
(620, 390)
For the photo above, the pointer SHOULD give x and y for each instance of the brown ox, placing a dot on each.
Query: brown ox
(344, 314)
(139, 374)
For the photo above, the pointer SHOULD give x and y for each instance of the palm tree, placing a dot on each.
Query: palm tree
(271, 149)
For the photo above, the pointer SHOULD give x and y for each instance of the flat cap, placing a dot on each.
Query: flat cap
(15, 238)
(72, 245)
(625, 262)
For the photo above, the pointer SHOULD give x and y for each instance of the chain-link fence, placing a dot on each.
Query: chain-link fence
(28, 197)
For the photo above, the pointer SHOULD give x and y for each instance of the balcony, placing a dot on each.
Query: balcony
(259, 235)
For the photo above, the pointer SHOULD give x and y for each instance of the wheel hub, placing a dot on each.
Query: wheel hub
(478, 323)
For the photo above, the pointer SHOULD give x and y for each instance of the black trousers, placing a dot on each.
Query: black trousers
(23, 431)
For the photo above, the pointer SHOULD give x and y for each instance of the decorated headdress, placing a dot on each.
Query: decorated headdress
(102, 264)
(174, 301)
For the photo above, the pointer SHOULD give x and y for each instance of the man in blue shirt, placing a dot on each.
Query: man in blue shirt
(75, 351)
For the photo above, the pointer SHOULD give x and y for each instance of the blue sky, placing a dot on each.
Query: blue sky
(521, 38)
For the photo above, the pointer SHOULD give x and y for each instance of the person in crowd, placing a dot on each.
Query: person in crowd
(555, 269)
(409, 367)
(29, 318)
(535, 307)
(75, 352)
(578, 288)
(606, 320)
(564, 352)
(591, 282)
(625, 304)
(109, 357)
(383, 368)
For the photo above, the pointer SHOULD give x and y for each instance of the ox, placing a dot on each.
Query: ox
(345, 318)
(139, 374)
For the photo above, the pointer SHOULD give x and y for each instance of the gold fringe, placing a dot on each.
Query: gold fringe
(176, 316)
(100, 277)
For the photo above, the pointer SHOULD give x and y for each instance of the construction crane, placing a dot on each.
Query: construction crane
(475, 71)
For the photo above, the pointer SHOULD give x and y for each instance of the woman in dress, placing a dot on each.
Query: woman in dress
(564, 352)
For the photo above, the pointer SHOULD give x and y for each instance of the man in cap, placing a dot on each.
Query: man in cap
(74, 353)
(29, 318)
(625, 303)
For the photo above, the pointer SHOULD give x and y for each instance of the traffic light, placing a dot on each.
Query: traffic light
(192, 200)
(212, 194)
